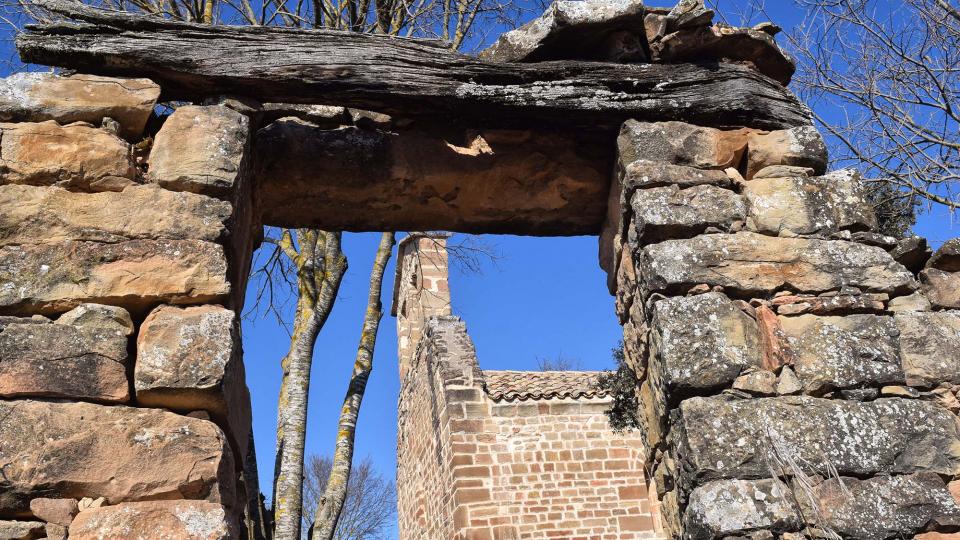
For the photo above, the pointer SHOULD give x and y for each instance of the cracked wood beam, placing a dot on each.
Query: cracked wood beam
(401, 76)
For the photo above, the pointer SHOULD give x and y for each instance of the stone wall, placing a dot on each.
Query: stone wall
(488, 455)
(123, 404)
(795, 377)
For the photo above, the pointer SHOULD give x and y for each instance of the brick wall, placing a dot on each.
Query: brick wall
(477, 466)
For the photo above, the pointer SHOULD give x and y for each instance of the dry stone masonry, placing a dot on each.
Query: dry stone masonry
(797, 372)
(121, 377)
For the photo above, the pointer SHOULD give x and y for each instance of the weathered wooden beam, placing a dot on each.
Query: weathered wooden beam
(412, 77)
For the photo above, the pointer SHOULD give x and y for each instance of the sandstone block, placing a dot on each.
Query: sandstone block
(35, 97)
(671, 212)
(731, 507)
(642, 173)
(74, 450)
(701, 342)
(678, 143)
(752, 264)
(884, 506)
(183, 520)
(41, 215)
(835, 353)
(81, 356)
(912, 252)
(201, 149)
(190, 359)
(947, 258)
(54, 278)
(725, 43)
(912, 302)
(941, 288)
(818, 205)
(76, 156)
(783, 171)
(59, 511)
(800, 147)
(930, 347)
(728, 438)
(21, 530)
(578, 30)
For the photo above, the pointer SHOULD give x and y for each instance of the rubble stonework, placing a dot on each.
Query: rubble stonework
(793, 376)
(89, 247)
(797, 372)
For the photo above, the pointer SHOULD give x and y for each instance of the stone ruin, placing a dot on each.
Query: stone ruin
(797, 372)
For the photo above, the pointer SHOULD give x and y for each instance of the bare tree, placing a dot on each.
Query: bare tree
(369, 508)
(883, 79)
(331, 503)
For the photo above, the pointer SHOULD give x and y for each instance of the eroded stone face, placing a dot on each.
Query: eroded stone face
(671, 212)
(36, 97)
(749, 263)
(77, 157)
(201, 149)
(833, 353)
(75, 450)
(800, 147)
(941, 288)
(190, 359)
(679, 143)
(930, 347)
(818, 205)
(884, 506)
(730, 507)
(701, 342)
(947, 258)
(183, 520)
(51, 278)
(578, 30)
(21, 530)
(726, 438)
(83, 355)
(41, 215)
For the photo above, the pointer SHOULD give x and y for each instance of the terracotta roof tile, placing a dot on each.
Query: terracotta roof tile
(536, 385)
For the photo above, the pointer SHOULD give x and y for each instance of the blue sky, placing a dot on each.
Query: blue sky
(545, 298)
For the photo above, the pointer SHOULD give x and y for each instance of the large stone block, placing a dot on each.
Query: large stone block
(522, 182)
(947, 258)
(76, 450)
(818, 205)
(77, 157)
(588, 30)
(181, 520)
(723, 43)
(835, 353)
(941, 288)
(201, 149)
(35, 97)
(642, 174)
(752, 264)
(40, 215)
(678, 143)
(671, 212)
(799, 147)
(733, 507)
(21, 530)
(727, 438)
(930, 347)
(83, 355)
(191, 359)
(701, 343)
(884, 506)
(871, 509)
(51, 278)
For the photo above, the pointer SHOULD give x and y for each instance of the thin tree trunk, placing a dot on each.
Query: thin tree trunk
(318, 286)
(331, 503)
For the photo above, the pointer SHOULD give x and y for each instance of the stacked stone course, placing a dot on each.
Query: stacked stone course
(121, 374)
(795, 377)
